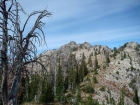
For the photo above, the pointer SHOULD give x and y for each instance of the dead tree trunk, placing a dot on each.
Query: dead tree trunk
(25, 50)
(4, 28)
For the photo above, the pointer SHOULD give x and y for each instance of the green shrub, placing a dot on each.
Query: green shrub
(133, 81)
(132, 85)
(102, 88)
(78, 96)
(117, 72)
(87, 79)
(95, 71)
(88, 89)
(47, 93)
(104, 67)
(90, 101)
(136, 97)
(94, 79)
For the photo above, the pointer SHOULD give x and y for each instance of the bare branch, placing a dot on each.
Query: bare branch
(1, 12)
(10, 6)
(35, 12)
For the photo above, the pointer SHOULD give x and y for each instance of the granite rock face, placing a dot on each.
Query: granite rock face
(118, 73)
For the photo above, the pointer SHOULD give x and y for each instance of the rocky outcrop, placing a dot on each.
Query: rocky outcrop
(117, 68)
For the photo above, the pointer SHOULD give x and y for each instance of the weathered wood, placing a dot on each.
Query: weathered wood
(0, 78)
(17, 45)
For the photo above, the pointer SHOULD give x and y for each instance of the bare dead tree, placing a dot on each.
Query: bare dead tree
(21, 48)
(4, 47)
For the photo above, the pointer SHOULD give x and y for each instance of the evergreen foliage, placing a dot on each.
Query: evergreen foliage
(38, 83)
(107, 59)
(78, 96)
(59, 83)
(46, 92)
(115, 52)
(136, 97)
(124, 55)
(90, 61)
(90, 101)
(96, 62)
(122, 47)
(88, 89)
(115, 49)
(96, 66)
(31, 87)
(94, 79)
(102, 89)
(77, 78)
(110, 100)
(95, 71)
(72, 79)
(117, 72)
(83, 68)
(121, 99)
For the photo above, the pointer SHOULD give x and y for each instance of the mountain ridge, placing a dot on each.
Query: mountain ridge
(115, 69)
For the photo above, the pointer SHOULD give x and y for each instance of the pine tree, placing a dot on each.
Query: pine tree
(124, 55)
(77, 75)
(83, 68)
(78, 96)
(115, 52)
(96, 64)
(121, 99)
(90, 101)
(136, 97)
(90, 61)
(72, 79)
(107, 59)
(31, 87)
(59, 83)
(34, 86)
(47, 92)
(66, 84)
(94, 79)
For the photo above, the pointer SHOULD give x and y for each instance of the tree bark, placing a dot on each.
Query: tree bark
(4, 56)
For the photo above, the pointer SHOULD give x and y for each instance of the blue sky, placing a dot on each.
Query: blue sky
(103, 22)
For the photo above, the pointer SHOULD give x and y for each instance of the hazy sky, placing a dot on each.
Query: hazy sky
(105, 22)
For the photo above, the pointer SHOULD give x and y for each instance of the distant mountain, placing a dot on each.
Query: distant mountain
(117, 70)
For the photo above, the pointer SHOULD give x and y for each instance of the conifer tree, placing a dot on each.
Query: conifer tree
(77, 79)
(72, 79)
(59, 83)
(107, 59)
(34, 86)
(90, 101)
(30, 88)
(47, 92)
(66, 84)
(72, 72)
(121, 99)
(115, 52)
(78, 96)
(124, 55)
(90, 61)
(136, 97)
(83, 68)
(96, 61)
